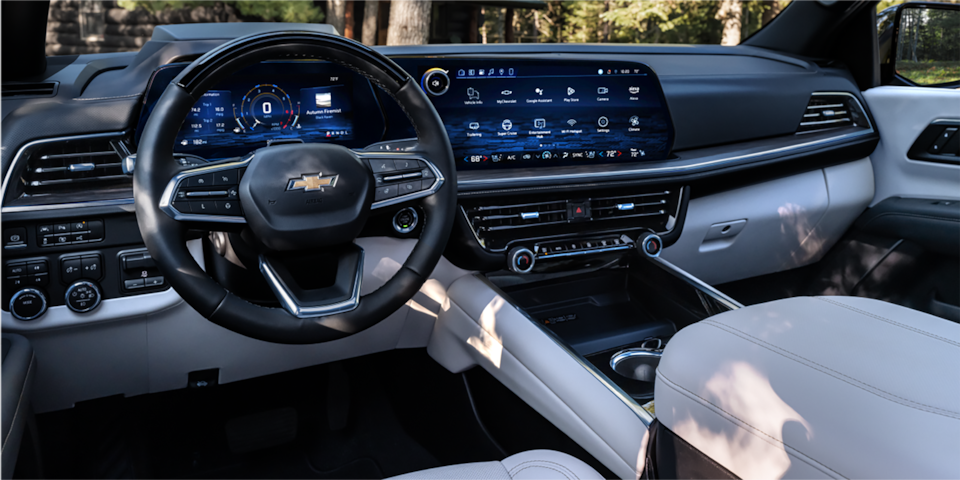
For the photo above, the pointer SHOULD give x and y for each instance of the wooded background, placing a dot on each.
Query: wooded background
(124, 25)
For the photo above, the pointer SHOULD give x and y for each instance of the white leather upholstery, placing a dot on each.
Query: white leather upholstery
(532, 465)
(825, 387)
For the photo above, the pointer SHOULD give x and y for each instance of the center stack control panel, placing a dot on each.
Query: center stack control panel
(75, 263)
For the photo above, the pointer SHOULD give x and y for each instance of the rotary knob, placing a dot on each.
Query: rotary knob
(82, 296)
(650, 244)
(521, 260)
(28, 304)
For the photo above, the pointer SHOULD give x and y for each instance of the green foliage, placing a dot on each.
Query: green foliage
(929, 73)
(281, 11)
(632, 21)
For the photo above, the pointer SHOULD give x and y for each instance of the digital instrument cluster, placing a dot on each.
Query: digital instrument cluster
(536, 113)
(270, 102)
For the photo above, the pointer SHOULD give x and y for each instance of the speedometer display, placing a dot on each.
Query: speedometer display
(266, 107)
(310, 101)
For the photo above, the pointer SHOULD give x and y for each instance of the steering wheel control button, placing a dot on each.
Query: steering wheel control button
(384, 192)
(28, 304)
(14, 238)
(203, 180)
(226, 177)
(521, 260)
(409, 187)
(379, 166)
(405, 221)
(82, 296)
(436, 82)
(406, 164)
(133, 284)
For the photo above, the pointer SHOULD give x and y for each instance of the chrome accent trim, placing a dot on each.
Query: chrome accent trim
(43, 308)
(835, 105)
(61, 206)
(647, 240)
(437, 181)
(697, 283)
(624, 206)
(16, 160)
(290, 303)
(585, 252)
(627, 400)
(824, 122)
(81, 167)
(629, 353)
(129, 163)
(78, 154)
(681, 168)
(166, 199)
(529, 215)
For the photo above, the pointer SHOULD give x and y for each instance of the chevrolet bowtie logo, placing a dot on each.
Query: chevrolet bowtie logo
(310, 183)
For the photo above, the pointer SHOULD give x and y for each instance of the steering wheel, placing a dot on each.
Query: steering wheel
(296, 200)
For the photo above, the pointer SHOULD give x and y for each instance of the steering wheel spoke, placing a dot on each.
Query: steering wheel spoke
(208, 194)
(401, 177)
(314, 287)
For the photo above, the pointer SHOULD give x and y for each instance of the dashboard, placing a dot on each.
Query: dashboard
(498, 113)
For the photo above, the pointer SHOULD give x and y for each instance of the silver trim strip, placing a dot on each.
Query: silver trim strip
(437, 182)
(290, 302)
(585, 252)
(627, 400)
(16, 160)
(166, 200)
(695, 282)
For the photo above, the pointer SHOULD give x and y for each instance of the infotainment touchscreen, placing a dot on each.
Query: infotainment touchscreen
(510, 113)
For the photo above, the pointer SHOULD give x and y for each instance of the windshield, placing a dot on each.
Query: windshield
(78, 27)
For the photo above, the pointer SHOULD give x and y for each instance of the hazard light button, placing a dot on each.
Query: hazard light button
(578, 210)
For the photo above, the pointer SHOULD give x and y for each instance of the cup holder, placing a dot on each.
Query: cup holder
(638, 363)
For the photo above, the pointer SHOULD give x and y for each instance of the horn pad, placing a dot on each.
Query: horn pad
(306, 195)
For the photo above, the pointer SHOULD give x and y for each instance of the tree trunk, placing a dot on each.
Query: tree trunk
(383, 22)
(348, 30)
(409, 22)
(605, 25)
(770, 13)
(508, 27)
(473, 27)
(729, 16)
(370, 22)
(336, 11)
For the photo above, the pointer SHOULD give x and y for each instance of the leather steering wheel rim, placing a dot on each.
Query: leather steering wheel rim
(165, 237)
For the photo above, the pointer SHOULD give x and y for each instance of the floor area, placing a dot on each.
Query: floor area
(370, 417)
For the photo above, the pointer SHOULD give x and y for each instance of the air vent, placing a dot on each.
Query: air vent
(497, 224)
(75, 170)
(825, 111)
(11, 90)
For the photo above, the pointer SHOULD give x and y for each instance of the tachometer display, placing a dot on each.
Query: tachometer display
(266, 107)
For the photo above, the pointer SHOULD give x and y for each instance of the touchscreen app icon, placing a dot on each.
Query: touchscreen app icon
(570, 91)
(474, 125)
(506, 124)
(602, 90)
(473, 93)
(634, 90)
(540, 123)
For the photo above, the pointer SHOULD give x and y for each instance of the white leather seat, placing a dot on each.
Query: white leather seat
(824, 387)
(531, 465)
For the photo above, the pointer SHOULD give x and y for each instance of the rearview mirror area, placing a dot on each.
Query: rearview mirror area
(927, 49)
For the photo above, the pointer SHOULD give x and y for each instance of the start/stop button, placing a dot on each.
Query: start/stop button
(405, 220)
